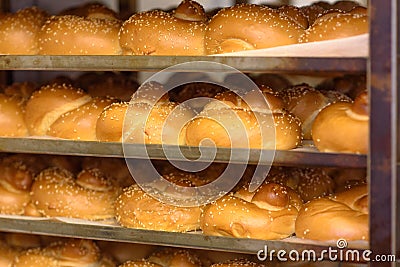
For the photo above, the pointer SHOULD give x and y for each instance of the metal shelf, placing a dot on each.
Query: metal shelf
(187, 240)
(301, 156)
(155, 63)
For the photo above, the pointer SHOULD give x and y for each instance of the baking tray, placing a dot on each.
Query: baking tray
(306, 156)
(155, 63)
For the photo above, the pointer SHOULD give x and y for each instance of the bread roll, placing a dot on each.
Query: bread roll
(91, 10)
(32, 211)
(110, 123)
(111, 167)
(309, 183)
(343, 216)
(343, 127)
(247, 27)
(22, 241)
(74, 35)
(312, 12)
(160, 33)
(19, 31)
(63, 254)
(195, 90)
(139, 263)
(12, 111)
(123, 252)
(7, 254)
(344, 6)
(305, 103)
(80, 123)
(117, 86)
(335, 26)
(256, 126)
(318, 9)
(71, 163)
(56, 192)
(238, 263)
(173, 257)
(350, 84)
(150, 118)
(268, 213)
(346, 178)
(159, 124)
(274, 81)
(21, 89)
(15, 185)
(34, 164)
(136, 209)
(295, 14)
(46, 105)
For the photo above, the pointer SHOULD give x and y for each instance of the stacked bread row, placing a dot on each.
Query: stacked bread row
(267, 118)
(20, 250)
(279, 208)
(93, 29)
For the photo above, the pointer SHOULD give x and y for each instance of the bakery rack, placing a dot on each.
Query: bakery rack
(300, 156)
(382, 161)
(155, 63)
(111, 232)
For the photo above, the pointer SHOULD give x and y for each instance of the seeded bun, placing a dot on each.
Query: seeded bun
(231, 112)
(268, 213)
(136, 209)
(274, 81)
(351, 84)
(48, 103)
(110, 123)
(238, 263)
(32, 164)
(161, 126)
(111, 84)
(305, 102)
(19, 31)
(111, 167)
(344, 215)
(175, 258)
(343, 127)
(247, 27)
(64, 253)
(182, 32)
(21, 89)
(7, 254)
(22, 241)
(80, 123)
(335, 26)
(15, 185)
(309, 183)
(320, 8)
(312, 12)
(56, 192)
(139, 263)
(123, 252)
(91, 10)
(12, 111)
(74, 35)
(148, 119)
(295, 14)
